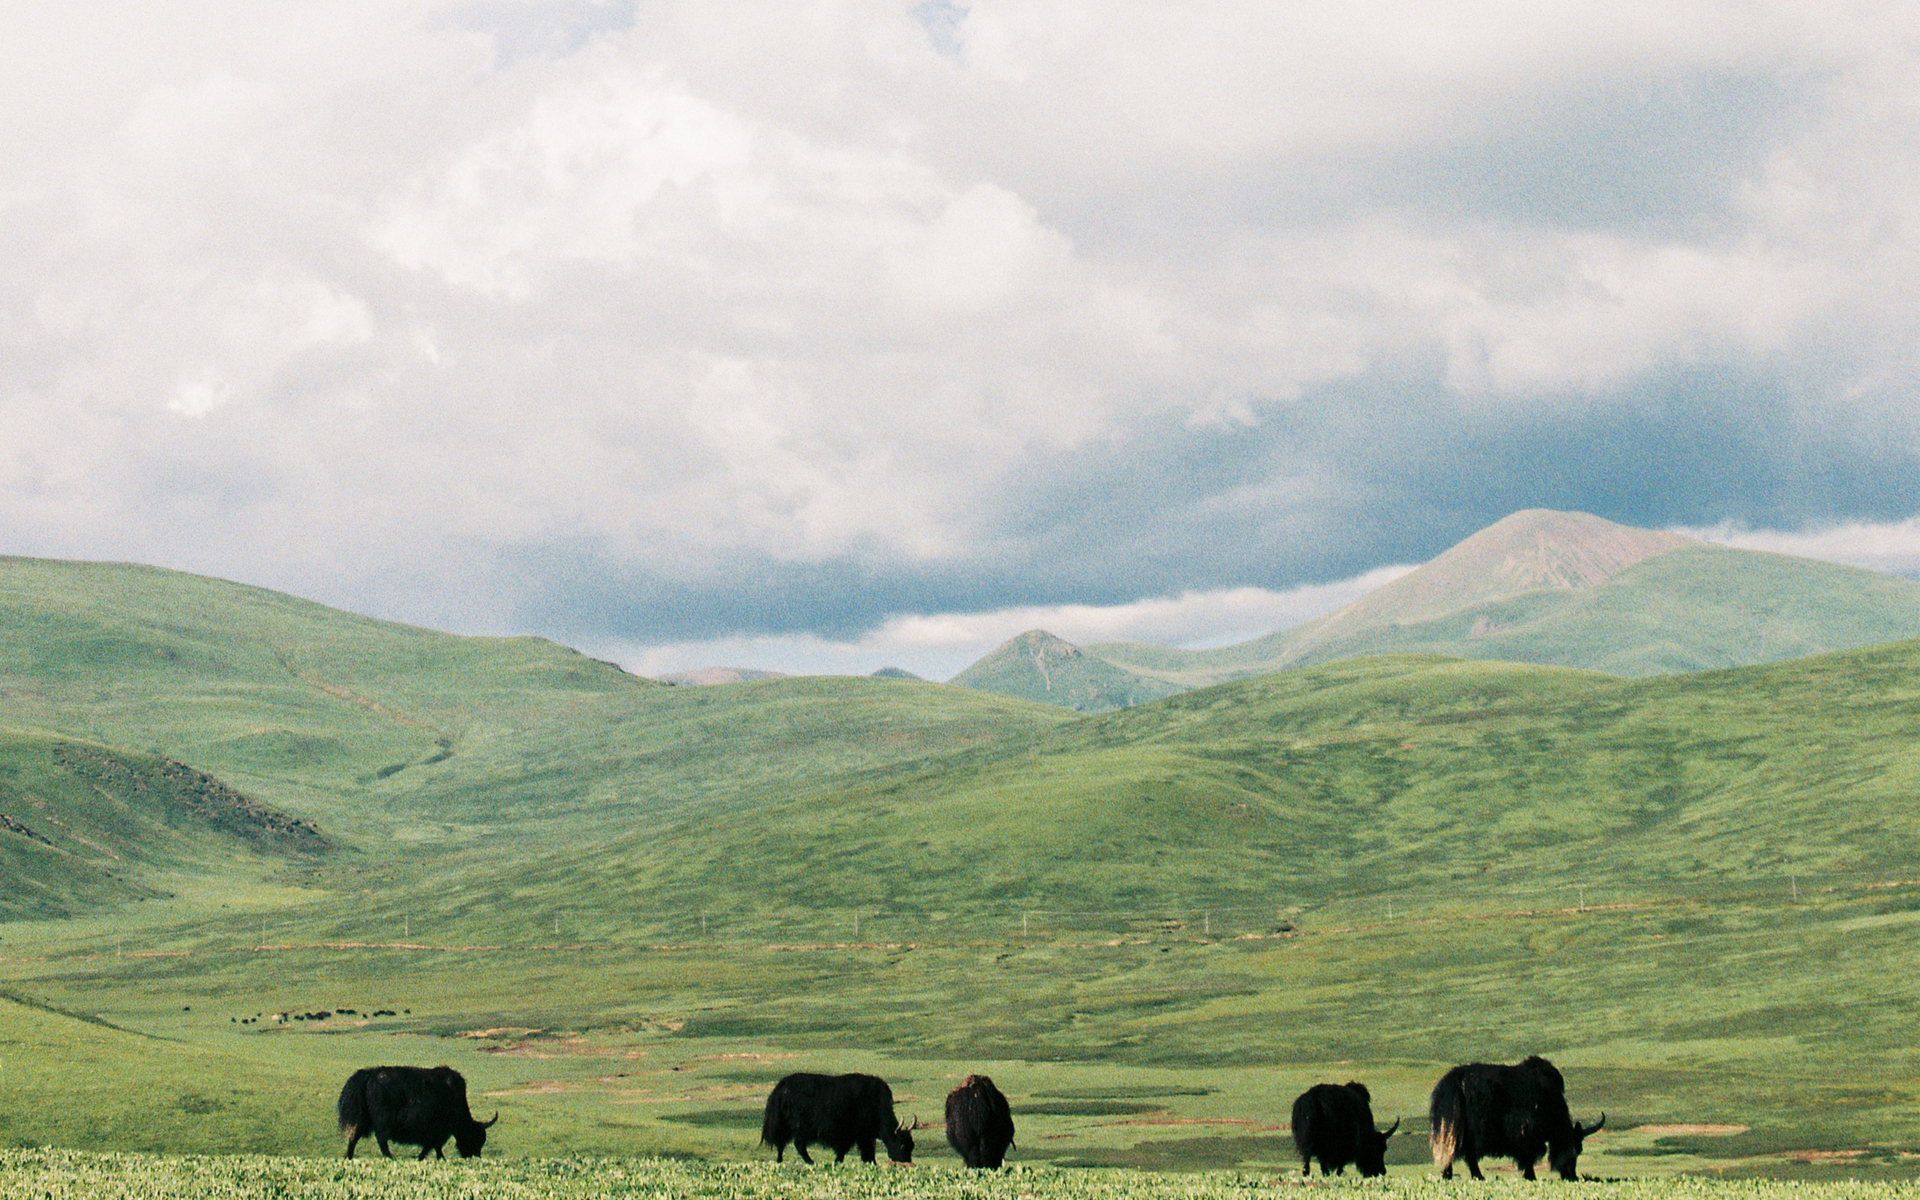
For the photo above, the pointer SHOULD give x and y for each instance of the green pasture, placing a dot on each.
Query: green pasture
(623, 909)
(1697, 1025)
(60, 1175)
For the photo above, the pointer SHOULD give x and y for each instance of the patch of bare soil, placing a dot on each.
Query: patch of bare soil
(1808, 1156)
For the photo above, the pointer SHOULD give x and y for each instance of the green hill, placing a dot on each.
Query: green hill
(1429, 776)
(83, 826)
(623, 909)
(418, 750)
(1040, 667)
(1572, 590)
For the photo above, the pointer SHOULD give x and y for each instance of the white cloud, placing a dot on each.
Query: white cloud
(1614, 310)
(333, 296)
(1889, 546)
(939, 646)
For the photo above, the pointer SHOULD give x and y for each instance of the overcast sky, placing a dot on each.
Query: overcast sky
(822, 336)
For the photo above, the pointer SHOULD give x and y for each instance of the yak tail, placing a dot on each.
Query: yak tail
(1445, 1141)
(771, 1126)
(353, 1105)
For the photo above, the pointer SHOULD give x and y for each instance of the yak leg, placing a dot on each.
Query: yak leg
(780, 1152)
(866, 1150)
(1526, 1169)
(1473, 1168)
(800, 1148)
(353, 1139)
(1306, 1167)
(382, 1139)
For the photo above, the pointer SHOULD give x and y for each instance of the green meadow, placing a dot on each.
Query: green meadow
(58, 1175)
(624, 909)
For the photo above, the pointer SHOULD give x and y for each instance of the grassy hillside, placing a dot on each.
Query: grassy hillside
(1444, 777)
(84, 827)
(414, 747)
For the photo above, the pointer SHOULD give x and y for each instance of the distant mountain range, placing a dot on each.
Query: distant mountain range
(1557, 588)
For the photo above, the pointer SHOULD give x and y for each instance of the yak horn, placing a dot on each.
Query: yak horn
(1391, 1128)
(1596, 1125)
(492, 1123)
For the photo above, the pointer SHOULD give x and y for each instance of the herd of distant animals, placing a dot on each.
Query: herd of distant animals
(1479, 1110)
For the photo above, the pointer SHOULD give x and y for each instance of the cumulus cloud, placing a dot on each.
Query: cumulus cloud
(655, 324)
(1892, 547)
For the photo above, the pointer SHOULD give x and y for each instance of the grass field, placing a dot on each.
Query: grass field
(60, 1175)
(623, 910)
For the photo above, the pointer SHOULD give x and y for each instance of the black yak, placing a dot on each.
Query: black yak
(422, 1106)
(1485, 1110)
(1334, 1123)
(835, 1111)
(979, 1123)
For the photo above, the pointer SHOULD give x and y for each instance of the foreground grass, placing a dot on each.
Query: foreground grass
(56, 1175)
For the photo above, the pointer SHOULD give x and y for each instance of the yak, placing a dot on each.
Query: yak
(1487, 1110)
(1334, 1123)
(422, 1106)
(979, 1123)
(835, 1111)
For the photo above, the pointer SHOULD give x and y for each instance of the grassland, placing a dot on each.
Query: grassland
(57, 1176)
(623, 909)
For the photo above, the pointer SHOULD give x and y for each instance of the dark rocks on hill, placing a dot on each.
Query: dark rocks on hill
(12, 826)
(179, 786)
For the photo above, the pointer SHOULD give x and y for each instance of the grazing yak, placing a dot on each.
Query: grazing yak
(422, 1106)
(1485, 1110)
(835, 1111)
(979, 1123)
(1334, 1123)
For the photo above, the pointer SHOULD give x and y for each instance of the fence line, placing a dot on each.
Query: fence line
(576, 928)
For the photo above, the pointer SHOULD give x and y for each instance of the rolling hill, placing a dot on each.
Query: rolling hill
(622, 908)
(87, 827)
(416, 750)
(1435, 778)
(1552, 588)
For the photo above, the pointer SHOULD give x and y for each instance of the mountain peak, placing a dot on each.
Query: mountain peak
(1036, 665)
(1533, 550)
(1039, 644)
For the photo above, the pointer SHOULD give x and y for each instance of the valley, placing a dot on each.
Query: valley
(622, 909)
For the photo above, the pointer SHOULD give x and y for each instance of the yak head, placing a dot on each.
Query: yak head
(899, 1141)
(472, 1136)
(1565, 1154)
(1370, 1156)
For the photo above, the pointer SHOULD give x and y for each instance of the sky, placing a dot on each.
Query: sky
(826, 336)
